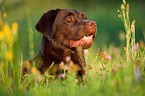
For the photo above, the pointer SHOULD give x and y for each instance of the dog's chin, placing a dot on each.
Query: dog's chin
(85, 42)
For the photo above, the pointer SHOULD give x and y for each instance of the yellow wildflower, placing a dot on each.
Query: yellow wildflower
(27, 64)
(124, 2)
(103, 54)
(9, 39)
(5, 15)
(1, 35)
(7, 30)
(122, 7)
(9, 55)
(10, 44)
(34, 70)
(15, 28)
(14, 25)
(76, 80)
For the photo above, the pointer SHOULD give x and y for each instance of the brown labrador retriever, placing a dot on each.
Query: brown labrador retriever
(65, 33)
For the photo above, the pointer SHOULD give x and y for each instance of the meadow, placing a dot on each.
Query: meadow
(115, 62)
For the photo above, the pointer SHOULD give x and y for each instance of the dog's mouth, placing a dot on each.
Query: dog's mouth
(85, 42)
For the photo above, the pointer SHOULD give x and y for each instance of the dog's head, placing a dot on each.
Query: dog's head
(67, 27)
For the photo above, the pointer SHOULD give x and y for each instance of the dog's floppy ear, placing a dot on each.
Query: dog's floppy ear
(45, 24)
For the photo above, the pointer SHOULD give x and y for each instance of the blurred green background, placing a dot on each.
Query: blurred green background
(104, 12)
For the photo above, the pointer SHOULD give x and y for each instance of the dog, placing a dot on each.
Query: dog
(66, 32)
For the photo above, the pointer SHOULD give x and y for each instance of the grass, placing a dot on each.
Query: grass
(130, 30)
(110, 70)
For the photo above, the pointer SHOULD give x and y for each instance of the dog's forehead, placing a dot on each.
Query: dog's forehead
(64, 12)
(71, 10)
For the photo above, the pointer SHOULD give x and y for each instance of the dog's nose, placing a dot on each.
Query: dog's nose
(91, 23)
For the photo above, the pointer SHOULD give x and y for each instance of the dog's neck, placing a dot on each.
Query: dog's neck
(57, 54)
(50, 49)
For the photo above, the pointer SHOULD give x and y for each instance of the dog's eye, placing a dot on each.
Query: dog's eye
(70, 18)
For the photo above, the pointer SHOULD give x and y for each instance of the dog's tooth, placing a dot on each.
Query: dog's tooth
(88, 37)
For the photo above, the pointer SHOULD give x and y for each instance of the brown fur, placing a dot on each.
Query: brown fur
(58, 31)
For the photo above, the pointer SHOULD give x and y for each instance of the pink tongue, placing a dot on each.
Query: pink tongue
(83, 42)
(86, 42)
(75, 43)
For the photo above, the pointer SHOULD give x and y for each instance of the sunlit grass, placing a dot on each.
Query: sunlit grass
(8, 36)
(129, 29)
(109, 73)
